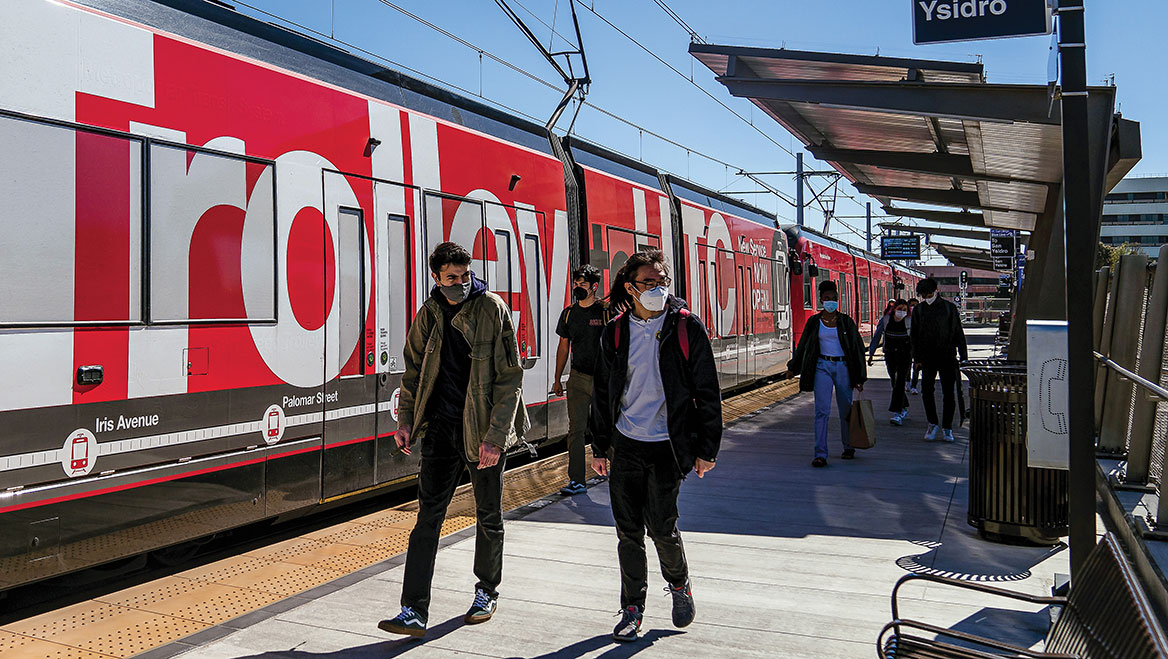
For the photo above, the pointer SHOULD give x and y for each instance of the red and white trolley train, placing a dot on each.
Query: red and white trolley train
(215, 237)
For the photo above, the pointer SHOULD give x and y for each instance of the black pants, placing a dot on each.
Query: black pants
(443, 461)
(644, 482)
(948, 372)
(898, 368)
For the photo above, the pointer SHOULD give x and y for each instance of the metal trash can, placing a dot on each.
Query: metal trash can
(1008, 500)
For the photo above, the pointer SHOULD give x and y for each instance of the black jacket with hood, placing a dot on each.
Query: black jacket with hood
(693, 399)
(806, 354)
(937, 334)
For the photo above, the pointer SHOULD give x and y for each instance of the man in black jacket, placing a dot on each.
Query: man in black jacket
(658, 408)
(937, 340)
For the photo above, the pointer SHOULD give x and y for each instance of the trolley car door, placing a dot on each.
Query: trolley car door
(401, 280)
(349, 397)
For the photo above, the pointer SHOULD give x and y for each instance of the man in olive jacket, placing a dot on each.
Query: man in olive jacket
(461, 400)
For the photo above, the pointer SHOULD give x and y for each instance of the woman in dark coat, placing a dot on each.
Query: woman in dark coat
(830, 355)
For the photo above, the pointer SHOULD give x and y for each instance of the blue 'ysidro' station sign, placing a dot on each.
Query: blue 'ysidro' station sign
(940, 21)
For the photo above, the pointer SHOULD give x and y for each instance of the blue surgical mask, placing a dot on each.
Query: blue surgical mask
(830, 306)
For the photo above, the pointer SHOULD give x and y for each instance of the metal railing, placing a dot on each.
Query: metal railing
(1131, 403)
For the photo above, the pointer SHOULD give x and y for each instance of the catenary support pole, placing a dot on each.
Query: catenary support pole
(799, 189)
(1080, 251)
(868, 215)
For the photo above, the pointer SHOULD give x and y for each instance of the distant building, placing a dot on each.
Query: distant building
(1136, 213)
(979, 303)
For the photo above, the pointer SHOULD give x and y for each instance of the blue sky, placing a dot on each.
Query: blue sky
(1124, 38)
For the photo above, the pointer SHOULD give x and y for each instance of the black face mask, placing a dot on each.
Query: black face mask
(580, 293)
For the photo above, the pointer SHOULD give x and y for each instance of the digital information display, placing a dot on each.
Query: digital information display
(900, 248)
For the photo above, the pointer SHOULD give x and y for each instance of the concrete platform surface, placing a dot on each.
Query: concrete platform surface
(786, 561)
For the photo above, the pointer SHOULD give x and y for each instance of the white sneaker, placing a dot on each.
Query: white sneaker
(931, 433)
(904, 414)
(914, 391)
(947, 435)
(895, 419)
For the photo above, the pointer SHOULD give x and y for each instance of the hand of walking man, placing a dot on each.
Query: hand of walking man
(702, 466)
(870, 360)
(558, 388)
(402, 438)
(600, 466)
(860, 387)
(488, 455)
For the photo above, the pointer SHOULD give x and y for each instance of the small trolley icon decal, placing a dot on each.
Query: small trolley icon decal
(79, 453)
(394, 402)
(273, 424)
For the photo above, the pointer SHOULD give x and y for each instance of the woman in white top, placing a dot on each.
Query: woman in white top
(830, 356)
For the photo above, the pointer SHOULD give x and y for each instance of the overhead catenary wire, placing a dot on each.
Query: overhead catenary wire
(687, 79)
(693, 35)
(483, 52)
(536, 78)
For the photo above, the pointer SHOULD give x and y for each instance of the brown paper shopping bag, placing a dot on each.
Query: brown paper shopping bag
(862, 426)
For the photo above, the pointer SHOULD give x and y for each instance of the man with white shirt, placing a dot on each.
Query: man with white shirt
(656, 414)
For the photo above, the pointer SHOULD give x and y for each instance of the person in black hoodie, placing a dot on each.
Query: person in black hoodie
(656, 414)
(937, 340)
(830, 355)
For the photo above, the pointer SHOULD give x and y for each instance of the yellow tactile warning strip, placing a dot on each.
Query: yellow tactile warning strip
(756, 399)
(150, 615)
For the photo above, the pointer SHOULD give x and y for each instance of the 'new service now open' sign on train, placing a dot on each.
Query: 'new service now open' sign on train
(940, 21)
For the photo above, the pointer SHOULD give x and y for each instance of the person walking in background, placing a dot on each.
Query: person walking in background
(937, 341)
(656, 414)
(579, 329)
(897, 358)
(878, 334)
(830, 355)
(465, 413)
(916, 369)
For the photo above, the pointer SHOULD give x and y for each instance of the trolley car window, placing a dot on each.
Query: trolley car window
(399, 307)
(807, 287)
(72, 219)
(351, 289)
(531, 262)
(212, 237)
(501, 281)
(864, 302)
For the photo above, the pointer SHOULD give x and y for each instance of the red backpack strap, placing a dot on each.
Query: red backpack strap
(617, 331)
(683, 333)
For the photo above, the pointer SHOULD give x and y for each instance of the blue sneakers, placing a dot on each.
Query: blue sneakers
(407, 623)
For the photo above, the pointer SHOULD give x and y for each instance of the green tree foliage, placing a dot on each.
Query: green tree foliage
(1108, 255)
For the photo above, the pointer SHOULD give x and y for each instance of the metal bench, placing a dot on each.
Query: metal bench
(1106, 615)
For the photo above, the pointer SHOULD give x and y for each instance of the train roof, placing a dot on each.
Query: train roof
(821, 238)
(205, 21)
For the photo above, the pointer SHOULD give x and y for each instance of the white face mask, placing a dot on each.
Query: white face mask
(931, 299)
(900, 314)
(654, 298)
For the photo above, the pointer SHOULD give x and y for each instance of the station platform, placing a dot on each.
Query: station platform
(786, 561)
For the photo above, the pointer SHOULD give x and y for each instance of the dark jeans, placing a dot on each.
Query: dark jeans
(948, 372)
(916, 374)
(579, 402)
(443, 462)
(644, 482)
(898, 368)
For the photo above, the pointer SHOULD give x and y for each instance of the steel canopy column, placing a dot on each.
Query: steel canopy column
(1080, 251)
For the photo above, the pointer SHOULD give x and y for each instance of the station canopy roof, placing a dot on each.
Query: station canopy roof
(925, 132)
(965, 257)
